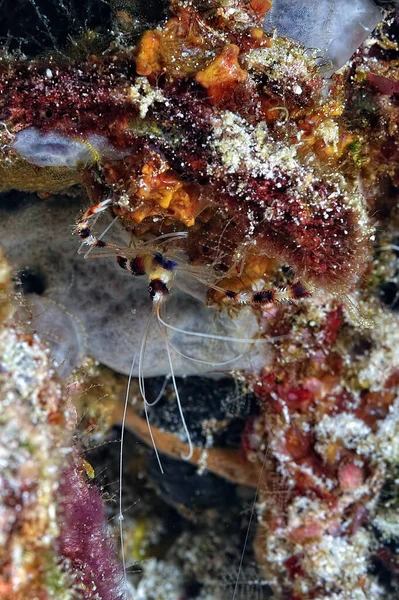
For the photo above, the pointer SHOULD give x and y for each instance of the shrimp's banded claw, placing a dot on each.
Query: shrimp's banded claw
(296, 291)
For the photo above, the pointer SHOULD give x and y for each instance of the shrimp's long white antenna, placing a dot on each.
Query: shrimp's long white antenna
(249, 527)
(178, 401)
(161, 391)
(141, 360)
(223, 338)
(101, 236)
(208, 284)
(142, 389)
(169, 237)
(206, 362)
(120, 516)
(147, 418)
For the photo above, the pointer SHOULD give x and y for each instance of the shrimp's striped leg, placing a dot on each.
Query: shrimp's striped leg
(84, 224)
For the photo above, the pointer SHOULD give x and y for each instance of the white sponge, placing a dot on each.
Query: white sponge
(53, 149)
(50, 149)
(336, 27)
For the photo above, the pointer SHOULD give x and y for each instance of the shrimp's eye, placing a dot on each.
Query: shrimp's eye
(157, 289)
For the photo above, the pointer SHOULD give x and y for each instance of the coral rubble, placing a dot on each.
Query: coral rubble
(35, 444)
(46, 505)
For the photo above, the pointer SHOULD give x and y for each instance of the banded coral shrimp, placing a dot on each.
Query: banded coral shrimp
(162, 260)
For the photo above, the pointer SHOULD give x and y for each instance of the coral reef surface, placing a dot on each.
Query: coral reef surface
(187, 193)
